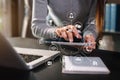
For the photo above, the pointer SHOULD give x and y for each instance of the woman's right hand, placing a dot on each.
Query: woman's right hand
(68, 33)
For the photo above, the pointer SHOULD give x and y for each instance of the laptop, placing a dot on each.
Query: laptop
(23, 58)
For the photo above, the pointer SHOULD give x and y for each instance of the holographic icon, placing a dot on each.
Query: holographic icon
(71, 15)
(53, 47)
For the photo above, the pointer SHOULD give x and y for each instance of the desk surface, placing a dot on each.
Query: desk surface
(53, 72)
(110, 41)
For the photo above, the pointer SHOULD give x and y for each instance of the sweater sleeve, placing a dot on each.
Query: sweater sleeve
(38, 25)
(90, 25)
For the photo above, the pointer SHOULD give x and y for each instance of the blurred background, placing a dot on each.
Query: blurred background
(15, 21)
(15, 18)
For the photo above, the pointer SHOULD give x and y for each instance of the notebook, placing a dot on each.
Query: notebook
(83, 65)
(14, 57)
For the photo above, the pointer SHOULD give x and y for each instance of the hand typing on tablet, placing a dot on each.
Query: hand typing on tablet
(68, 33)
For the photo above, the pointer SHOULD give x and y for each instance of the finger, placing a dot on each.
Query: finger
(64, 35)
(90, 47)
(89, 38)
(75, 31)
(58, 32)
(94, 45)
(70, 36)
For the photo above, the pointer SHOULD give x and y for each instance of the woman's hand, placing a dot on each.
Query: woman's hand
(91, 41)
(68, 33)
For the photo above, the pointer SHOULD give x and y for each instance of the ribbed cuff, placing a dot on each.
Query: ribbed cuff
(53, 35)
(88, 33)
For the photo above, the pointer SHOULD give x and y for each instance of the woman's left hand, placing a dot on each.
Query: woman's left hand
(91, 41)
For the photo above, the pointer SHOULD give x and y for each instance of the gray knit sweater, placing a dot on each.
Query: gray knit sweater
(58, 10)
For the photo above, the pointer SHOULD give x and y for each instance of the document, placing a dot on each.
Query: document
(83, 65)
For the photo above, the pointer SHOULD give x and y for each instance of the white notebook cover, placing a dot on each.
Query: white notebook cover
(83, 65)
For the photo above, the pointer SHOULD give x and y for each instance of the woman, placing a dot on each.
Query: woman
(70, 19)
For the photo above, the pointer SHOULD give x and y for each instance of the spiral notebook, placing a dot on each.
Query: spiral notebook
(83, 65)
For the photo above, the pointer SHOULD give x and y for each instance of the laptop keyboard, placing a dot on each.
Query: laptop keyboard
(29, 58)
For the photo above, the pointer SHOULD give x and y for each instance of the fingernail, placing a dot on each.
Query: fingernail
(77, 36)
(71, 40)
(79, 31)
